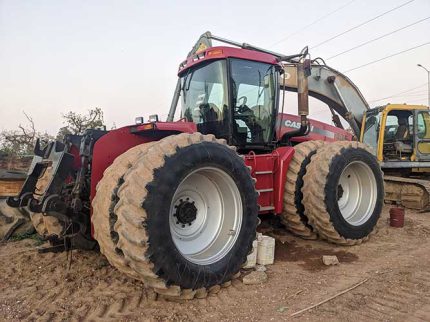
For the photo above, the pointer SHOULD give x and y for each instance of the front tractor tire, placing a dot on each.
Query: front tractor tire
(343, 192)
(103, 217)
(182, 218)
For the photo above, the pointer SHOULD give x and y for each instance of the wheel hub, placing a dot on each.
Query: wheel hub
(205, 214)
(339, 192)
(357, 193)
(186, 212)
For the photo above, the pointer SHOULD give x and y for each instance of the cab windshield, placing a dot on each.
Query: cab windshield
(205, 98)
(245, 116)
(371, 130)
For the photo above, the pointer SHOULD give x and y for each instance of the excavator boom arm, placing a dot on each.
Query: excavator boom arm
(333, 88)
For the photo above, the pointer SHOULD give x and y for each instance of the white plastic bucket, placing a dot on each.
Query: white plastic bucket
(266, 250)
(251, 260)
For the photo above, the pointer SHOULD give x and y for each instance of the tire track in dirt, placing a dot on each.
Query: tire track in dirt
(123, 307)
(422, 315)
(126, 307)
(399, 296)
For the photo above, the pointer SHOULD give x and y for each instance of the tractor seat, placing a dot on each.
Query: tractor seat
(402, 132)
(402, 147)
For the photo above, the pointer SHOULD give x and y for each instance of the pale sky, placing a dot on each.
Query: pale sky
(122, 56)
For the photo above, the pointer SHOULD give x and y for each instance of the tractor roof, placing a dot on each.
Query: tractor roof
(220, 52)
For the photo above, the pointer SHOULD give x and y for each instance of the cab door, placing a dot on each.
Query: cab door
(422, 135)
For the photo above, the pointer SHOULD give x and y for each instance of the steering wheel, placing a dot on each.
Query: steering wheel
(244, 98)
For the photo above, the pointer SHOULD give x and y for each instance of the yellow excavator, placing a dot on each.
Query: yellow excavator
(400, 137)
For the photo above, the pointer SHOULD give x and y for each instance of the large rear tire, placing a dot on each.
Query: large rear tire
(343, 192)
(103, 216)
(293, 216)
(186, 214)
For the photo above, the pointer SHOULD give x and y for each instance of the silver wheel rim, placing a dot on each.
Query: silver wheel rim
(357, 193)
(209, 228)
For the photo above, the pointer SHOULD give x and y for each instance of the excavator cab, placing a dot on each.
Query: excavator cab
(400, 137)
(399, 134)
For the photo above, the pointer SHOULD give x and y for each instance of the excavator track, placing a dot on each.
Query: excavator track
(409, 192)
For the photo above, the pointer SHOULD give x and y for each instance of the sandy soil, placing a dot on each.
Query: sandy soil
(396, 261)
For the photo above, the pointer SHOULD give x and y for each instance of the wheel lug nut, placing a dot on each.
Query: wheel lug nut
(177, 223)
(183, 226)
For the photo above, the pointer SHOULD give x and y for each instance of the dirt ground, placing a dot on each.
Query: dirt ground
(396, 262)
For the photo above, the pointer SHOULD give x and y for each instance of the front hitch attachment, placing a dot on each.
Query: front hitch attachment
(52, 155)
(37, 168)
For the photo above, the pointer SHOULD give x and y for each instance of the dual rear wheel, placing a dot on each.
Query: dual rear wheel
(337, 192)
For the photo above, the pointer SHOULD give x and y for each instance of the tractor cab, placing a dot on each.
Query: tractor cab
(399, 134)
(232, 98)
(238, 93)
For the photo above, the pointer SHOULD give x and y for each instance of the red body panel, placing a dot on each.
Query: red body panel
(116, 142)
(318, 131)
(107, 148)
(270, 172)
(221, 52)
(179, 127)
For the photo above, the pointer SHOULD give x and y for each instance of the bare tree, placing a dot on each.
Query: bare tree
(16, 143)
(77, 123)
(21, 141)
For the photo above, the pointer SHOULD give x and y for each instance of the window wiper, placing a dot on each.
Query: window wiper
(187, 80)
(190, 76)
(206, 87)
(260, 92)
(234, 86)
(185, 86)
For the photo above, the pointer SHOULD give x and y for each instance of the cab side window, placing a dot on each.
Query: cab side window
(391, 126)
(422, 126)
(423, 132)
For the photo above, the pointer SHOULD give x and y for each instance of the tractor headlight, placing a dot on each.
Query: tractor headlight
(153, 118)
(139, 120)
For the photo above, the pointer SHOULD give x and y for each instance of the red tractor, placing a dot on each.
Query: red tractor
(175, 204)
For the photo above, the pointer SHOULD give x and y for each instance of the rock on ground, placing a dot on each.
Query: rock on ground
(330, 260)
(255, 277)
